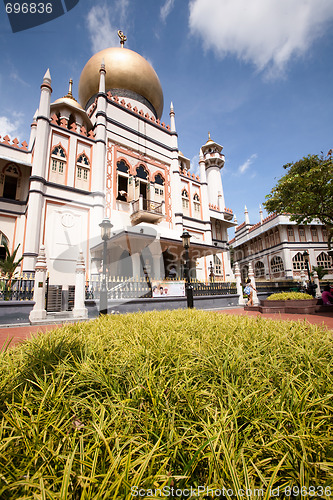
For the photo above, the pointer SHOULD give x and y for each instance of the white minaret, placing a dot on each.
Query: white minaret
(172, 118)
(33, 131)
(261, 214)
(214, 162)
(98, 172)
(246, 216)
(175, 177)
(38, 175)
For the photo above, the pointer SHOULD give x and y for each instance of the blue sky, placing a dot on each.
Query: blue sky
(257, 74)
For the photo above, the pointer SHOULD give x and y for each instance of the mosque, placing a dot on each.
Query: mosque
(110, 156)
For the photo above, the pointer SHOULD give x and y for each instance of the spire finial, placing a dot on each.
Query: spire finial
(209, 136)
(70, 91)
(122, 37)
(70, 88)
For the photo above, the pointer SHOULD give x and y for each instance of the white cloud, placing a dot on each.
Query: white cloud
(16, 78)
(166, 9)
(266, 33)
(103, 32)
(194, 165)
(243, 168)
(11, 126)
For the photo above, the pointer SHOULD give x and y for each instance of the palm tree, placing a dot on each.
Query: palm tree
(8, 265)
(320, 271)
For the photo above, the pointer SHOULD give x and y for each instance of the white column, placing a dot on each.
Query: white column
(39, 312)
(237, 273)
(288, 263)
(38, 173)
(99, 163)
(302, 276)
(205, 197)
(79, 310)
(136, 265)
(316, 280)
(253, 283)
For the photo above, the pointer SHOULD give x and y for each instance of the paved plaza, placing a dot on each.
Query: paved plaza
(13, 335)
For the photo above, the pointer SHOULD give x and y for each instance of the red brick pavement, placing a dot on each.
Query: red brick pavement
(16, 334)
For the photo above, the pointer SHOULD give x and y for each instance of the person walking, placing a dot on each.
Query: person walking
(248, 290)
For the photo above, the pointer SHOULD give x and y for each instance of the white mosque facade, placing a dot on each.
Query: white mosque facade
(110, 156)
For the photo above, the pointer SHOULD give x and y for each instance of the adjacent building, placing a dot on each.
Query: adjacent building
(275, 246)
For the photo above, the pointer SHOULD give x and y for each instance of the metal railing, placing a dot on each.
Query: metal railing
(148, 206)
(18, 288)
(119, 288)
(213, 288)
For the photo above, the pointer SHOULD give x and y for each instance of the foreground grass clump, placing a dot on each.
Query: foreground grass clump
(168, 399)
(290, 296)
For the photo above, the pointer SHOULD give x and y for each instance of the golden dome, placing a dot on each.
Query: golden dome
(125, 69)
(71, 102)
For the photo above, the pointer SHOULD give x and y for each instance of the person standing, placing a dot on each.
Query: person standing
(248, 290)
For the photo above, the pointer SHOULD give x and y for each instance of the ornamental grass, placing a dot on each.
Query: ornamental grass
(290, 296)
(180, 398)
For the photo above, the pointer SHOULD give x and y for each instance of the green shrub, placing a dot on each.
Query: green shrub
(290, 296)
(172, 398)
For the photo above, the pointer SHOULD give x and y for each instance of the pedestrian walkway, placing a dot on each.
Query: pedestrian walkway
(16, 334)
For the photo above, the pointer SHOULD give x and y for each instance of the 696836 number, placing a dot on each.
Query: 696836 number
(29, 8)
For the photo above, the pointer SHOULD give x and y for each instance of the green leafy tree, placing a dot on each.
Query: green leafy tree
(8, 265)
(320, 271)
(306, 192)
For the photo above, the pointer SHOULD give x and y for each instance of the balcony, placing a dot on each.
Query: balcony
(146, 211)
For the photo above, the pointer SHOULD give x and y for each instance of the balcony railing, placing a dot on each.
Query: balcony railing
(146, 211)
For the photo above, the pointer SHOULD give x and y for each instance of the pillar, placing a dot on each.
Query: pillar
(80, 311)
(316, 281)
(38, 174)
(253, 283)
(39, 312)
(239, 288)
(302, 277)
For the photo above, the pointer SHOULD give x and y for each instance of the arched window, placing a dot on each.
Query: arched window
(3, 239)
(291, 235)
(82, 172)
(159, 187)
(185, 200)
(277, 265)
(141, 182)
(123, 180)
(259, 269)
(260, 244)
(142, 173)
(298, 262)
(314, 233)
(196, 204)
(324, 260)
(217, 265)
(301, 232)
(58, 163)
(10, 182)
(245, 273)
(71, 120)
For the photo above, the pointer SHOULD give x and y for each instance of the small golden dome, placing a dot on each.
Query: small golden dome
(69, 100)
(125, 69)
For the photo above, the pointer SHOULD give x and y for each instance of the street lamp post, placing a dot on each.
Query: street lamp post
(211, 272)
(188, 287)
(312, 286)
(106, 227)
